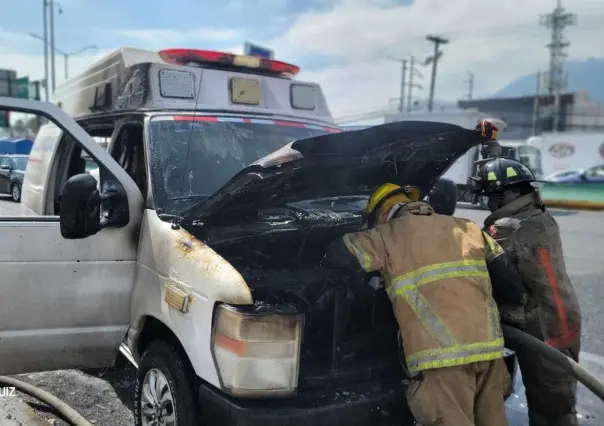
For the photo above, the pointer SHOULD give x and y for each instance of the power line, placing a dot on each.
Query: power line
(434, 60)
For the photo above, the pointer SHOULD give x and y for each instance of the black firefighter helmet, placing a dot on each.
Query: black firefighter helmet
(500, 173)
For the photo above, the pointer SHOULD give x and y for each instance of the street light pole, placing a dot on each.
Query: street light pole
(66, 55)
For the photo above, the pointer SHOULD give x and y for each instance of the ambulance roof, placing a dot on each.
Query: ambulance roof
(129, 80)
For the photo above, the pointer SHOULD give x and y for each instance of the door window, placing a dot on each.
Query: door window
(128, 150)
(4, 163)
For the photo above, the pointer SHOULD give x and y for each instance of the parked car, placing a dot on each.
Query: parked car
(593, 174)
(12, 170)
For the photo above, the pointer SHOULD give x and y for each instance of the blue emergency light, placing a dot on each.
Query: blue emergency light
(250, 49)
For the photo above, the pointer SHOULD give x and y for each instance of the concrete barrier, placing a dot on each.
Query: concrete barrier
(573, 196)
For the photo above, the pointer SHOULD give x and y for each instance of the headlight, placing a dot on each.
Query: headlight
(257, 354)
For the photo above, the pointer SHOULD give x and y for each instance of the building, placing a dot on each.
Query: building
(525, 117)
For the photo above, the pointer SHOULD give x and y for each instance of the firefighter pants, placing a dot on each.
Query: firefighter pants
(466, 395)
(551, 393)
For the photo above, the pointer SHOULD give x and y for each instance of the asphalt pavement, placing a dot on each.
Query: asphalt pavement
(106, 397)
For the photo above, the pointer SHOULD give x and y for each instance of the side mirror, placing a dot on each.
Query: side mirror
(5, 167)
(80, 215)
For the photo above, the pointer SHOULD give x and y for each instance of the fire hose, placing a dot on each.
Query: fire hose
(68, 413)
(520, 338)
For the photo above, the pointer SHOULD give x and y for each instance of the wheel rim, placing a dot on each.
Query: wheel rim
(16, 192)
(157, 401)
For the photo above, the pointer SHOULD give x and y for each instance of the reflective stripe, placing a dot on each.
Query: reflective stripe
(440, 271)
(450, 352)
(361, 256)
(437, 329)
(455, 355)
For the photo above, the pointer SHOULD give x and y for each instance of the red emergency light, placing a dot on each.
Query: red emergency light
(186, 56)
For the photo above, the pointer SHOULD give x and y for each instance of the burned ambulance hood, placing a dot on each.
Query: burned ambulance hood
(339, 164)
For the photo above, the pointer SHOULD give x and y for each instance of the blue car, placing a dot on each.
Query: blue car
(593, 174)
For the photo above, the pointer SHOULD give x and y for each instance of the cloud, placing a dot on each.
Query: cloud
(167, 36)
(348, 45)
(497, 41)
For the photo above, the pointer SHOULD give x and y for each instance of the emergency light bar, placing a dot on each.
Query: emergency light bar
(188, 56)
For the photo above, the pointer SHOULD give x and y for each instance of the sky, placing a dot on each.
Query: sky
(350, 47)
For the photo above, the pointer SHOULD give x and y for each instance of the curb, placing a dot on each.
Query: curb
(575, 204)
(15, 412)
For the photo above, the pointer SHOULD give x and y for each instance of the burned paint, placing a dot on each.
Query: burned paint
(185, 246)
(203, 272)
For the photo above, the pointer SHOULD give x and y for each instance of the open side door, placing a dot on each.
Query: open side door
(64, 303)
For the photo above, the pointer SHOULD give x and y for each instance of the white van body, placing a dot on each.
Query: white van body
(569, 150)
(203, 294)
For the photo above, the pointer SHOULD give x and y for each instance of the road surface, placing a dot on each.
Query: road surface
(108, 400)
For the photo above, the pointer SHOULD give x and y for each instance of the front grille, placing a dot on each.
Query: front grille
(350, 336)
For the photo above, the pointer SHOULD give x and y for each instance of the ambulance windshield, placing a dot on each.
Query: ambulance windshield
(193, 156)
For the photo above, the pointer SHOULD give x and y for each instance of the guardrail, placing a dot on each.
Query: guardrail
(573, 196)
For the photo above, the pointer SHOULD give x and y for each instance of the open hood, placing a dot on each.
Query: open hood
(339, 164)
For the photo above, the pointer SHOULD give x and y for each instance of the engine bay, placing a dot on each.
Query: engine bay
(350, 333)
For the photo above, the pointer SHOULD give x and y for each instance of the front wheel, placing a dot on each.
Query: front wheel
(164, 393)
(15, 192)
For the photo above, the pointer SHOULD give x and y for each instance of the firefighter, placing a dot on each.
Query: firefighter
(490, 148)
(530, 235)
(436, 270)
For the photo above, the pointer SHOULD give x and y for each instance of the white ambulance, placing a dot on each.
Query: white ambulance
(201, 270)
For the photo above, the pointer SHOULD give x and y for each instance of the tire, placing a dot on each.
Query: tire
(177, 378)
(15, 192)
(443, 197)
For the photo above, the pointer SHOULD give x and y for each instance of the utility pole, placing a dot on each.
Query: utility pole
(470, 82)
(434, 60)
(52, 4)
(45, 20)
(401, 103)
(412, 72)
(536, 105)
(557, 21)
(52, 44)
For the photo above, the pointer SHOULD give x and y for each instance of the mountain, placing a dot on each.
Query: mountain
(582, 75)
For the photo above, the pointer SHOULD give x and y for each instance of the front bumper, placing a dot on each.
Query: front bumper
(375, 403)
